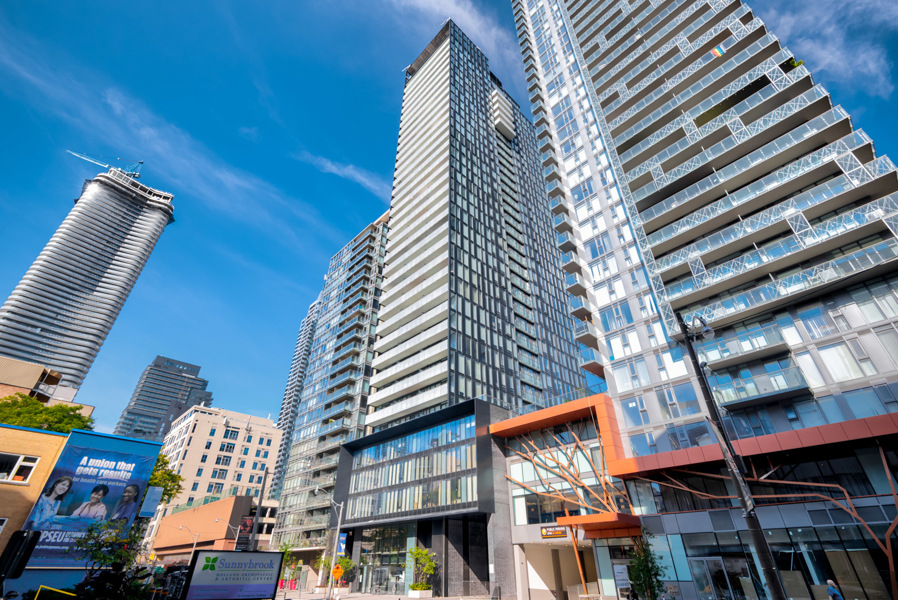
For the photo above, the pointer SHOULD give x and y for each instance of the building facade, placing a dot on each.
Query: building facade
(473, 298)
(293, 393)
(685, 131)
(166, 389)
(63, 308)
(334, 401)
(473, 328)
(219, 453)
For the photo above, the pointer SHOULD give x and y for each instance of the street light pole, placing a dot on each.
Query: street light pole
(196, 536)
(330, 580)
(734, 463)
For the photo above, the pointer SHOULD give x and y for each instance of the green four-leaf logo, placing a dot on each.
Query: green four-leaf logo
(210, 563)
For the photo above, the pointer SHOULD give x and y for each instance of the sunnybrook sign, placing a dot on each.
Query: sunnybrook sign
(226, 575)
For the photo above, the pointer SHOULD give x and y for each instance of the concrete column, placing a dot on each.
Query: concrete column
(522, 573)
(556, 573)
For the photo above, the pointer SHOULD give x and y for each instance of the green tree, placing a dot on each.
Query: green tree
(110, 550)
(25, 411)
(324, 562)
(165, 477)
(646, 571)
(288, 570)
(424, 567)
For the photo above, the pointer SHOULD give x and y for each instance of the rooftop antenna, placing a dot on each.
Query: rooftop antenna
(131, 170)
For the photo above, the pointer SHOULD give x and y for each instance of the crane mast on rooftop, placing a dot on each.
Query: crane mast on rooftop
(132, 170)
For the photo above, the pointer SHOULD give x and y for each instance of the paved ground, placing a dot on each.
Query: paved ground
(294, 595)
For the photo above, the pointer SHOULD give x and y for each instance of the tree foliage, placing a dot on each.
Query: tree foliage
(424, 566)
(25, 411)
(288, 569)
(646, 571)
(349, 573)
(110, 550)
(165, 477)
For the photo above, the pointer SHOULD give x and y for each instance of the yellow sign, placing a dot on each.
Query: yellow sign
(337, 571)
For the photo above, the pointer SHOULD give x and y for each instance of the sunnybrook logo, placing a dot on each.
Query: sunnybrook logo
(210, 563)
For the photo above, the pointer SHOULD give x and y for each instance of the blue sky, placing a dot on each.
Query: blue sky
(274, 124)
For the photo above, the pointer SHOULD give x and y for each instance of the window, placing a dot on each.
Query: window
(246, 452)
(203, 458)
(631, 375)
(252, 478)
(16, 468)
(242, 464)
(231, 434)
(841, 364)
(226, 447)
(199, 472)
(265, 454)
(219, 473)
(616, 317)
(238, 476)
(255, 466)
(208, 444)
(634, 411)
(209, 489)
(217, 488)
(258, 453)
(223, 460)
(195, 485)
(212, 432)
(190, 500)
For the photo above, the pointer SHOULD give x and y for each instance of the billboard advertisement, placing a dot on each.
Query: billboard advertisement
(244, 533)
(226, 575)
(98, 477)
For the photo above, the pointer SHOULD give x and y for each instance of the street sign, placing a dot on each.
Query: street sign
(337, 571)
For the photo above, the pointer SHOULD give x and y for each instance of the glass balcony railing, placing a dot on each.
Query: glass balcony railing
(749, 261)
(347, 376)
(346, 349)
(348, 390)
(521, 297)
(338, 409)
(774, 214)
(565, 241)
(822, 274)
(730, 391)
(574, 280)
(557, 204)
(352, 334)
(718, 349)
(584, 328)
(351, 361)
(738, 167)
(524, 312)
(529, 360)
(577, 303)
(524, 342)
(334, 426)
(520, 283)
(531, 379)
(525, 327)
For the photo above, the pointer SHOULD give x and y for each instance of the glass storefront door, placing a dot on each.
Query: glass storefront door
(711, 581)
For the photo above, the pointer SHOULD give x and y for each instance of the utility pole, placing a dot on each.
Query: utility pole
(252, 535)
(734, 463)
(330, 580)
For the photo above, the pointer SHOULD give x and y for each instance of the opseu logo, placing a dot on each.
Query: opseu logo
(210, 563)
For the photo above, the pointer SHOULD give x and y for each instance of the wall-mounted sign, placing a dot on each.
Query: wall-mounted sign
(553, 531)
(225, 575)
(621, 576)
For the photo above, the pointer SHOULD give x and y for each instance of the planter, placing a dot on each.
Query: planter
(420, 593)
(321, 589)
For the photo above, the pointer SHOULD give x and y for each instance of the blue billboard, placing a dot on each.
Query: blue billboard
(97, 477)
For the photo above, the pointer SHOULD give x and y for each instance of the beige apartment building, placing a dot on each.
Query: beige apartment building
(219, 453)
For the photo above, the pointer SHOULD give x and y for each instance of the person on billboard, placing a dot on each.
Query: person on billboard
(94, 508)
(48, 503)
(127, 506)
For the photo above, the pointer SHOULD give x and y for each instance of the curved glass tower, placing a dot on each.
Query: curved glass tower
(64, 306)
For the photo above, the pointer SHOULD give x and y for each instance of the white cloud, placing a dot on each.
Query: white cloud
(843, 41)
(368, 180)
(249, 133)
(174, 161)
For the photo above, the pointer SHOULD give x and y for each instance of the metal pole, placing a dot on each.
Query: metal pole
(252, 534)
(330, 580)
(736, 467)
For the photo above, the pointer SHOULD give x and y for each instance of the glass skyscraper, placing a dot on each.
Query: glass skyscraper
(293, 392)
(63, 308)
(700, 169)
(165, 390)
(332, 402)
(473, 303)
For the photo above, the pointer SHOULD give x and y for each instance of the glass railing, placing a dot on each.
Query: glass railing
(551, 170)
(740, 344)
(522, 297)
(350, 348)
(738, 167)
(572, 279)
(347, 376)
(352, 360)
(335, 425)
(590, 355)
(554, 185)
(569, 257)
(338, 409)
(729, 391)
(349, 336)
(362, 295)
(557, 202)
(585, 328)
(334, 441)
(561, 219)
(524, 342)
(524, 311)
(349, 390)
(525, 327)
(777, 115)
(529, 360)
(520, 283)
(517, 269)
(577, 303)
(822, 274)
(853, 219)
(564, 238)
(531, 379)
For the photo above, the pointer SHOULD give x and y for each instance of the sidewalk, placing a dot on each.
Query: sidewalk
(294, 595)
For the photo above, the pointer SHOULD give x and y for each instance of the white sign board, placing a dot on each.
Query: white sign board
(621, 576)
(225, 575)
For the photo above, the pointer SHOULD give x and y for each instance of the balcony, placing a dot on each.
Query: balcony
(586, 333)
(334, 426)
(549, 157)
(551, 173)
(331, 443)
(358, 309)
(355, 334)
(570, 262)
(555, 189)
(526, 327)
(524, 342)
(352, 361)
(565, 242)
(344, 392)
(530, 379)
(720, 353)
(339, 409)
(558, 205)
(522, 297)
(591, 361)
(346, 349)
(562, 222)
(760, 389)
(362, 295)
(529, 360)
(579, 307)
(347, 376)
(575, 284)
(520, 309)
